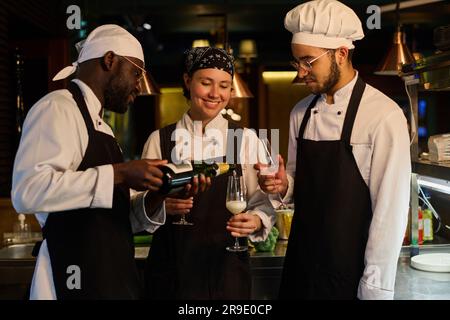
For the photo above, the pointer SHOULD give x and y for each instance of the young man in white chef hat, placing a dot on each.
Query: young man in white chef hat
(70, 171)
(348, 168)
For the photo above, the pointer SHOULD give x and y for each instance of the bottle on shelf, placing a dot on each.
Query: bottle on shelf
(420, 226)
(177, 176)
(427, 218)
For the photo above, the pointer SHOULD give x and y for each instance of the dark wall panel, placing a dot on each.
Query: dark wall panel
(19, 19)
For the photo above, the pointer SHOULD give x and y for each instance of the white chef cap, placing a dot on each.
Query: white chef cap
(108, 37)
(325, 24)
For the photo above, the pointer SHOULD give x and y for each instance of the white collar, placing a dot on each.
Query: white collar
(219, 122)
(342, 96)
(92, 102)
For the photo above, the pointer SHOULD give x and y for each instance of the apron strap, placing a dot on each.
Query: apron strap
(307, 116)
(350, 116)
(236, 144)
(352, 109)
(77, 95)
(166, 144)
(37, 247)
(79, 99)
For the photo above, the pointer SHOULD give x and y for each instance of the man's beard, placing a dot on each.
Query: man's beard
(333, 78)
(116, 96)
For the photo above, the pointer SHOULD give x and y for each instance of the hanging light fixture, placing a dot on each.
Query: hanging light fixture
(200, 43)
(148, 86)
(247, 49)
(398, 53)
(240, 88)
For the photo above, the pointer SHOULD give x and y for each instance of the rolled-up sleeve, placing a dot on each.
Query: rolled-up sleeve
(141, 219)
(260, 205)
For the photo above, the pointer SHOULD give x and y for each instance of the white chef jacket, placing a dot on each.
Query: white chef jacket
(213, 144)
(380, 144)
(52, 146)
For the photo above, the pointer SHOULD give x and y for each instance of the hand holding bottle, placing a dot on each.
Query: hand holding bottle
(177, 178)
(183, 202)
(139, 175)
(199, 183)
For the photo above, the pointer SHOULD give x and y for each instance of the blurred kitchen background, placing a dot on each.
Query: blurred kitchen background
(35, 43)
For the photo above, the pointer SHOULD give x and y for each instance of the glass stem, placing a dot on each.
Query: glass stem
(236, 242)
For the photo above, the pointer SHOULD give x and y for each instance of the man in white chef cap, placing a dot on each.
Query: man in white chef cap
(348, 168)
(70, 171)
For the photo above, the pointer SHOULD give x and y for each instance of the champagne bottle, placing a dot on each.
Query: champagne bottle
(177, 176)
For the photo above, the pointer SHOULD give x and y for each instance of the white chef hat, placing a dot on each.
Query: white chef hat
(108, 37)
(324, 24)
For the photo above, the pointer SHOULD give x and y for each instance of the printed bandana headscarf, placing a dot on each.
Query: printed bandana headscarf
(208, 57)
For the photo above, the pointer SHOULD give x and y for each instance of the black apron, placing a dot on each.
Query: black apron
(325, 254)
(97, 241)
(191, 262)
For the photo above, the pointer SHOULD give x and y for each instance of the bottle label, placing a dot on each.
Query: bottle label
(179, 168)
(427, 230)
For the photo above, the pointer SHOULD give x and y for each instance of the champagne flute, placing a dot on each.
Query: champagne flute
(271, 169)
(236, 203)
(182, 221)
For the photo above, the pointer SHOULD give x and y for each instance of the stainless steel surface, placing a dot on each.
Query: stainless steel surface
(16, 271)
(414, 284)
(17, 252)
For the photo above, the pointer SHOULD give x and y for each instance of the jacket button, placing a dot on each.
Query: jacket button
(315, 111)
(339, 113)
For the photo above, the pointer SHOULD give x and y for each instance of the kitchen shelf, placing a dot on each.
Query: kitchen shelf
(432, 73)
(431, 169)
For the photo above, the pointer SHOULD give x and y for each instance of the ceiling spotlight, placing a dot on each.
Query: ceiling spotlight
(147, 26)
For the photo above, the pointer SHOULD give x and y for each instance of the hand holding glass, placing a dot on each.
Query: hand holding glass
(272, 168)
(236, 202)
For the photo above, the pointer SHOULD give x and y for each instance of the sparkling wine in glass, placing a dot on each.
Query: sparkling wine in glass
(236, 203)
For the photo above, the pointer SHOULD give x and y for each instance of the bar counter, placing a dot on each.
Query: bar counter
(17, 265)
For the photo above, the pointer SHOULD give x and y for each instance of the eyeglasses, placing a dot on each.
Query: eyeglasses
(139, 75)
(305, 65)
